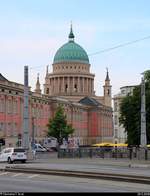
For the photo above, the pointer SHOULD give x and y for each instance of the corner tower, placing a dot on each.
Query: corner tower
(107, 91)
(70, 77)
(38, 90)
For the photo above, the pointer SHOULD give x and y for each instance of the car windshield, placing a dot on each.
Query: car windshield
(19, 150)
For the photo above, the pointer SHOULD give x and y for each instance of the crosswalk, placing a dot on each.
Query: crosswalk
(16, 175)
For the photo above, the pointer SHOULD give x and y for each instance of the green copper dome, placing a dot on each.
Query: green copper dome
(71, 52)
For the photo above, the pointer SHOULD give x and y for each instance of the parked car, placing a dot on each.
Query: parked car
(11, 155)
(39, 148)
(50, 143)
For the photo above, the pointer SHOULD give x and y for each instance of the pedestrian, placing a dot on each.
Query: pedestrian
(34, 153)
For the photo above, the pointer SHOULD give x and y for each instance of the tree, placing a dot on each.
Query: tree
(58, 126)
(130, 113)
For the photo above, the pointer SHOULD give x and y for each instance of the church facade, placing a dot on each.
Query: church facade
(70, 84)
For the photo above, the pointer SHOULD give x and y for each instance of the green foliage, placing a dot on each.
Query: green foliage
(147, 76)
(58, 126)
(130, 113)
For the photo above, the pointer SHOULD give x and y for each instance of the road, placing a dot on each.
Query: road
(22, 182)
(27, 182)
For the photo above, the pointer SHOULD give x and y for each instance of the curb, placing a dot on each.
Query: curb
(104, 176)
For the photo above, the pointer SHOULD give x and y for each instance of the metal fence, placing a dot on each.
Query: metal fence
(130, 153)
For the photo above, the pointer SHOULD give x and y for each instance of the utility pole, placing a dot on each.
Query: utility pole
(143, 141)
(26, 111)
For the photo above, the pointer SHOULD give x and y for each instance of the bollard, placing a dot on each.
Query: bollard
(79, 153)
(130, 153)
(146, 153)
(90, 153)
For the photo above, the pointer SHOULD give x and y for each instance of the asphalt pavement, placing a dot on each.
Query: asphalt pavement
(105, 169)
(111, 165)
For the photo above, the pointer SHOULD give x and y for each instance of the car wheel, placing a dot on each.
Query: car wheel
(23, 161)
(9, 160)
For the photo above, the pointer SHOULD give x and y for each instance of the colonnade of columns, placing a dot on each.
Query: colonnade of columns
(71, 85)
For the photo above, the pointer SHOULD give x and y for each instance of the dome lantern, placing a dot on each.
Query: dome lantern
(71, 35)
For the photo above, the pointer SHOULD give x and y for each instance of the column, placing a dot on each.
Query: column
(58, 89)
(83, 84)
(87, 84)
(68, 85)
(51, 86)
(91, 91)
(50, 90)
(54, 85)
(78, 90)
(63, 84)
(73, 79)
(92, 86)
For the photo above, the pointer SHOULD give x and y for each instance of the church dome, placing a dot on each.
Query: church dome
(71, 52)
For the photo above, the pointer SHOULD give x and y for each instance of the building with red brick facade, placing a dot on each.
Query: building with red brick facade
(70, 84)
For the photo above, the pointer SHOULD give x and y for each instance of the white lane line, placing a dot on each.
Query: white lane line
(18, 174)
(32, 176)
(4, 173)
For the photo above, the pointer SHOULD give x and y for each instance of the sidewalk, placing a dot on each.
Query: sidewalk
(106, 161)
(113, 169)
(97, 166)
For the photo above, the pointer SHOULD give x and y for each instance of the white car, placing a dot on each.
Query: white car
(39, 148)
(13, 154)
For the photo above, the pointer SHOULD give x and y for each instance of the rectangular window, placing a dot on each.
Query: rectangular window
(2, 105)
(115, 107)
(9, 129)
(116, 120)
(15, 128)
(9, 106)
(15, 107)
(116, 133)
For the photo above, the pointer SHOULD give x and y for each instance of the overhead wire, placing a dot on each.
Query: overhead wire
(109, 49)
(120, 45)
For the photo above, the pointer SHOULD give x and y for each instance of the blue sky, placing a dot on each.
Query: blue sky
(31, 31)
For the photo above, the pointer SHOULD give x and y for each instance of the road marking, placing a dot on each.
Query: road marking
(32, 176)
(18, 174)
(4, 173)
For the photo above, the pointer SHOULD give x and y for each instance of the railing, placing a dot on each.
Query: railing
(115, 153)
